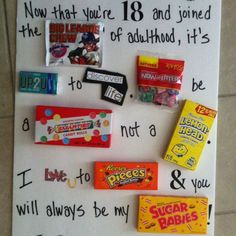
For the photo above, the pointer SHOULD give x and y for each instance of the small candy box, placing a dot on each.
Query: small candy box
(126, 175)
(159, 80)
(190, 135)
(173, 215)
(73, 126)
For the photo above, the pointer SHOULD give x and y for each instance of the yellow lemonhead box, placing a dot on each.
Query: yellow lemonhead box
(171, 214)
(190, 135)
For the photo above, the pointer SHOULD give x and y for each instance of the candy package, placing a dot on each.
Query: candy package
(71, 126)
(73, 43)
(190, 135)
(126, 175)
(173, 214)
(159, 80)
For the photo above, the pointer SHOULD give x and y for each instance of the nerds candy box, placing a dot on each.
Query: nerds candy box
(73, 126)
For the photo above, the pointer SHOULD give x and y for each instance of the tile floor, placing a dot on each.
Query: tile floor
(226, 159)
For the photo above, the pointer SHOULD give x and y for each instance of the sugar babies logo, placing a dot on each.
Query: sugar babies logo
(125, 176)
(193, 128)
(173, 214)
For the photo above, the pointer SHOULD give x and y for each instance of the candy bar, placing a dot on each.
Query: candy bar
(73, 126)
(126, 175)
(190, 135)
(38, 82)
(173, 215)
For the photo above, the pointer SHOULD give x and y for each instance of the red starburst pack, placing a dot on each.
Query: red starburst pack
(159, 80)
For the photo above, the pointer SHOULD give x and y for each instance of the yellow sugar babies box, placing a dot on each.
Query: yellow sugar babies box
(171, 214)
(190, 135)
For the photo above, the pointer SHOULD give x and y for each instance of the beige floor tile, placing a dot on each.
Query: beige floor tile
(11, 24)
(226, 161)
(6, 157)
(6, 97)
(225, 225)
(227, 84)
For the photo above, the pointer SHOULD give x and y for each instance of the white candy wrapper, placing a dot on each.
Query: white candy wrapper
(73, 43)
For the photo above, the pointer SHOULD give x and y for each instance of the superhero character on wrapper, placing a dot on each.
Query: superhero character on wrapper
(88, 54)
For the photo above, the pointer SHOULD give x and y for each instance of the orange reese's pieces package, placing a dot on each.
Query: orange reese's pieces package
(171, 214)
(126, 175)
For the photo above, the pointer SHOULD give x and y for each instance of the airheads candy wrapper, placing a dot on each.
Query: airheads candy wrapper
(171, 214)
(126, 175)
(190, 135)
(73, 43)
(73, 126)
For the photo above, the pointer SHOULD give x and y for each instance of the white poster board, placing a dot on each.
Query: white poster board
(86, 211)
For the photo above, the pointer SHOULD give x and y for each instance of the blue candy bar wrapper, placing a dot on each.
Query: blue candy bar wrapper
(38, 82)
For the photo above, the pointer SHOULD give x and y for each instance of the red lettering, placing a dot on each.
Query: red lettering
(153, 211)
(52, 28)
(162, 223)
(178, 220)
(56, 28)
(176, 208)
(169, 209)
(184, 206)
(170, 221)
(194, 215)
(53, 38)
(188, 218)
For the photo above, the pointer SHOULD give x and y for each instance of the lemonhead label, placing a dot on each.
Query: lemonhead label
(193, 128)
(190, 135)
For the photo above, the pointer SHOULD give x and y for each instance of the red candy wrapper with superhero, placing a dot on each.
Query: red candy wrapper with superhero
(159, 80)
(73, 43)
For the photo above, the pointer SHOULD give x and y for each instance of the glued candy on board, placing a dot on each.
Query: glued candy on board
(173, 214)
(190, 135)
(159, 80)
(126, 175)
(73, 43)
(73, 126)
(38, 82)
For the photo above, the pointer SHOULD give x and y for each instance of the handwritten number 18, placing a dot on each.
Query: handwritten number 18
(136, 14)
